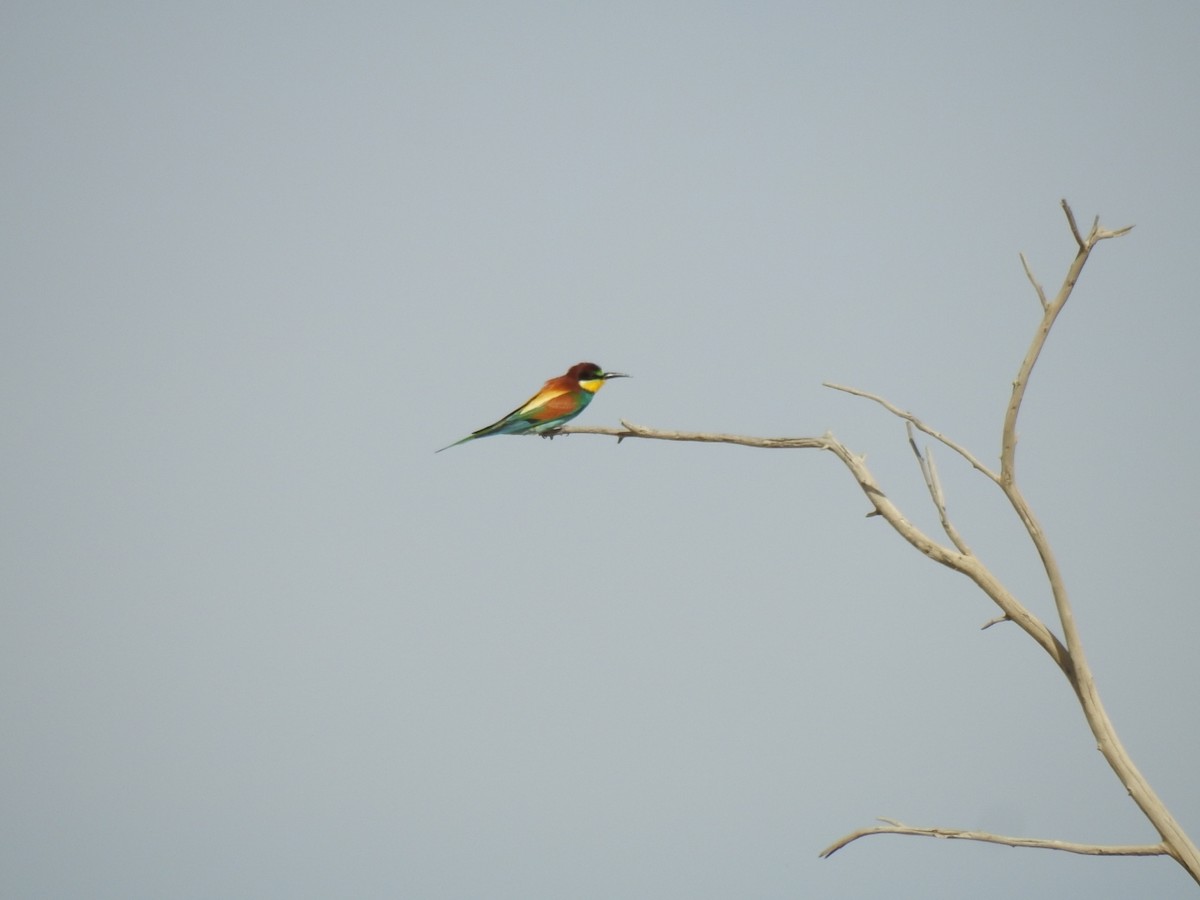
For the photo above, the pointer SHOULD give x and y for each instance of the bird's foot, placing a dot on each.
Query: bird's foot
(549, 433)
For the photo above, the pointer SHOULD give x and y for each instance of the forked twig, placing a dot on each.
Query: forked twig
(1075, 228)
(918, 424)
(934, 484)
(1036, 285)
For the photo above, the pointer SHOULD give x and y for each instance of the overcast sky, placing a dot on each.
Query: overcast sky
(260, 260)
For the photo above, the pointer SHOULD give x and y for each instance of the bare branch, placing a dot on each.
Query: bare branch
(1176, 841)
(1008, 442)
(638, 431)
(1078, 671)
(933, 483)
(1069, 657)
(883, 507)
(1036, 285)
(1075, 228)
(894, 827)
(990, 622)
(921, 426)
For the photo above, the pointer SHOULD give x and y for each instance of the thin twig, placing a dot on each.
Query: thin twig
(894, 827)
(1074, 228)
(1036, 285)
(934, 484)
(921, 426)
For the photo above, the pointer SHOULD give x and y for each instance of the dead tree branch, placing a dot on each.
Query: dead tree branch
(929, 473)
(951, 557)
(1066, 653)
(920, 426)
(894, 827)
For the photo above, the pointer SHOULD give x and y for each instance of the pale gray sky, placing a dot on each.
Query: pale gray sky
(261, 260)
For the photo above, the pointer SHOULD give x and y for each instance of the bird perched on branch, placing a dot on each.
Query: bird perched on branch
(560, 400)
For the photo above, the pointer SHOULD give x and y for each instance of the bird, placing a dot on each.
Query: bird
(560, 400)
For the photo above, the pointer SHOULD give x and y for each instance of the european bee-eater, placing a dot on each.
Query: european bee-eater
(560, 400)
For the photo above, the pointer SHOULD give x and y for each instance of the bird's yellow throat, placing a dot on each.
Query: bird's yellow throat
(592, 386)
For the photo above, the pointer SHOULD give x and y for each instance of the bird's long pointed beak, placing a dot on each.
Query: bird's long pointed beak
(608, 375)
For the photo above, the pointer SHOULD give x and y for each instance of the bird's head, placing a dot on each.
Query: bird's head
(591, 377)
